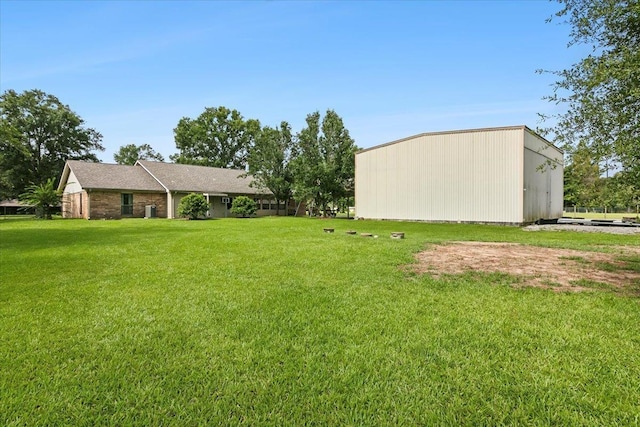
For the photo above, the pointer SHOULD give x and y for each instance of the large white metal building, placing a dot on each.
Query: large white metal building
(506, 175)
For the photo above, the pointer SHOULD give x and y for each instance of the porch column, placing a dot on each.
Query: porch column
(169, 205)
(208, 205)
(88, 203)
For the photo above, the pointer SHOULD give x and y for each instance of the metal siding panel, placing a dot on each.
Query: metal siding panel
(543, 179)
(446, 177)
(535, 187)
(400, 203)
(363, 186)
(538, 145)
(557, 192)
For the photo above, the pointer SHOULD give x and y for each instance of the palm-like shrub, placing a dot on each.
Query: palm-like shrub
(43, 197)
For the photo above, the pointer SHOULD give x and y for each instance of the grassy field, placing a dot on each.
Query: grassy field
(270, 321)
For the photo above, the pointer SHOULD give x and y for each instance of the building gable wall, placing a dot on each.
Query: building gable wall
(72, 185)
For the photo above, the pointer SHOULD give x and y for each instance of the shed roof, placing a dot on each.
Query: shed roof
(108, 176)
(202, 179)
(519, 127)
(12, 203)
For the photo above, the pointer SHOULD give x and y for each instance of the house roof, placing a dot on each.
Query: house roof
(107, 176)
(158, 177)
(201, 179)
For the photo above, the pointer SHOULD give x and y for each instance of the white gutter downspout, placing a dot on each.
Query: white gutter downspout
(169, 197)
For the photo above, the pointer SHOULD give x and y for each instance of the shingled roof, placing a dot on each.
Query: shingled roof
(159, 177)
(201, 179)
(107, 176)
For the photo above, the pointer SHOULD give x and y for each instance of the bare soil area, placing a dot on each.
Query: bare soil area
(558, 269)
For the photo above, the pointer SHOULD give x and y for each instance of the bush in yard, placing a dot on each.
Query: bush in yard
(242, 205)
(193, 206)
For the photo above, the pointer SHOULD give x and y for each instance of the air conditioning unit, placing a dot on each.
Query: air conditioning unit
(225, 200)
(150, 211)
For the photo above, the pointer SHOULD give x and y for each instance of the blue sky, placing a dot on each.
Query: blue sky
(132, 69)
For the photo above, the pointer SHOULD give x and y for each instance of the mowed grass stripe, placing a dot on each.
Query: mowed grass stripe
(270, 321)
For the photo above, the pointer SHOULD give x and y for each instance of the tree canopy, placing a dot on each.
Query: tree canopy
(38, 134)
(325, 165)
(601, 93)
(130, 153)
(270, 160)
(582, 179)
(587, 183)
(219, 137)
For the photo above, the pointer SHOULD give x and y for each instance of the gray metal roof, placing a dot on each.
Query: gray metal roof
(107, 176)
(520, 127)
(12, 203)
(200, 179)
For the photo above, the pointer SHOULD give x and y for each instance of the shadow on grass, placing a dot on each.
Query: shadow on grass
(57, 233)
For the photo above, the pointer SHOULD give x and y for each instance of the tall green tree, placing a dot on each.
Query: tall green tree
(218, 137)
(270, 161)
(130, 153)
(324, 168)
(601, 93)
(617, 193)
(582, 185)
(38, 134)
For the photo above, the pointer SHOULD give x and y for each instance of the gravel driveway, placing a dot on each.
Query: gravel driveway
(584, 228)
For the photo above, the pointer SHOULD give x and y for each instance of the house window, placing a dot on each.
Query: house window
(127, 204)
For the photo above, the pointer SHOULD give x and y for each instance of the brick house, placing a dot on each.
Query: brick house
(105, 191)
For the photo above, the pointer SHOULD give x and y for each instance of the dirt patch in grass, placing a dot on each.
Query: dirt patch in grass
(558, 269)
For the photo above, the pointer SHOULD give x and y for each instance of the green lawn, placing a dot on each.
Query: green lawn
(270, 321)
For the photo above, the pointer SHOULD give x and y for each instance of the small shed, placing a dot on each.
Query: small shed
(506, 175)
(15, 207)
